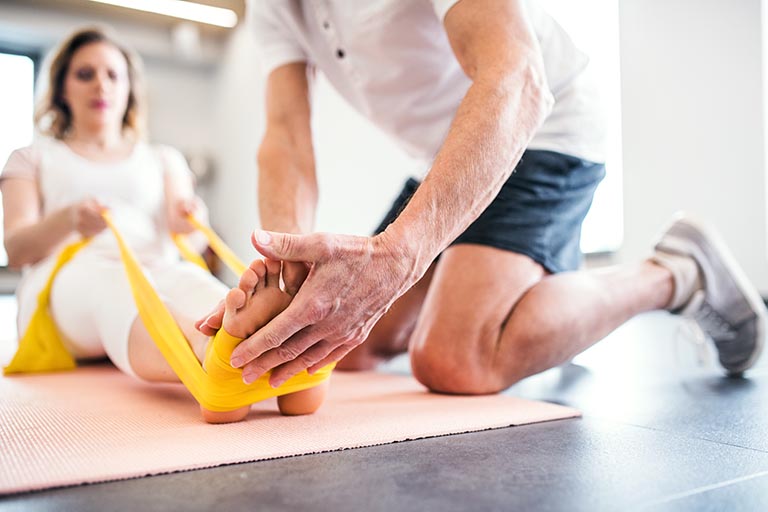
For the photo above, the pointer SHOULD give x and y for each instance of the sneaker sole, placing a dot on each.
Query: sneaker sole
(742, 282)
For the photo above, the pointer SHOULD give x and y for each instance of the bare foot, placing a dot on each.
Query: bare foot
(303, 402)
(257, 300)
(309, 400)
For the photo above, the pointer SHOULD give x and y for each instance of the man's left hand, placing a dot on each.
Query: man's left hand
(352, 282)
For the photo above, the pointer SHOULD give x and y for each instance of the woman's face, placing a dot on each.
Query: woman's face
(97, 86)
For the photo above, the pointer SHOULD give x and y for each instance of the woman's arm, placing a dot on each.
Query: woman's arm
(180, 198)
(29, 236)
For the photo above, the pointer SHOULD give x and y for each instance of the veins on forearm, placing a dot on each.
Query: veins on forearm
(490, 131)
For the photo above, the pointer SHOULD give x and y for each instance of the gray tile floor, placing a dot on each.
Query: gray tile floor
(660, 432)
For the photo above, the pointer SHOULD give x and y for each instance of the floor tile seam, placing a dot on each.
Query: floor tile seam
(586, 415)
(703, 489)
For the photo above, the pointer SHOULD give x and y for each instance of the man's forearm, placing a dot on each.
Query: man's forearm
(491, 129)
(287, 190)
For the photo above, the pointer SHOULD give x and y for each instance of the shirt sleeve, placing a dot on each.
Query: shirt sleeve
(274, 26)
(442, 6)
(174, 163)
(23, 163)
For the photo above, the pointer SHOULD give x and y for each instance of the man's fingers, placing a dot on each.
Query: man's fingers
(307, 358)
(287, 247)
(291, 349)
(268, 338)
(337, 355)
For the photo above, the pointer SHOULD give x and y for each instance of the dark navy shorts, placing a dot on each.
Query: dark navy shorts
(538, 212)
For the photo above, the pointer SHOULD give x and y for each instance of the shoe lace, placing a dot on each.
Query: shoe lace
(702, 322)
(709, 320)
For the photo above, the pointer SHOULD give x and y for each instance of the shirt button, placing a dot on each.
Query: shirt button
(326, 25)
(340, 53)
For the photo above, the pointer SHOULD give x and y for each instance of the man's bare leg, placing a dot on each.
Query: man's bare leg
(480, 331)
(392, 334)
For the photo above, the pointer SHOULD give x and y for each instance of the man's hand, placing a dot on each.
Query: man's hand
(86, 218)
(352, 282)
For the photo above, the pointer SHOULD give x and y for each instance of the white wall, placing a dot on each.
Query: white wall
(237, 125)
(180, 99)
(360, 170)
(693, 122)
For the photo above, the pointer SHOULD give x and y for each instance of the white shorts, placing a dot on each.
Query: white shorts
(93, 306)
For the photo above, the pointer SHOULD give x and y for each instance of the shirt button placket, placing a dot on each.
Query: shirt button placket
(331, 36)
(329, 32)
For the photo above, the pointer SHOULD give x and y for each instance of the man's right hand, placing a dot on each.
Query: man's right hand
(86, 217)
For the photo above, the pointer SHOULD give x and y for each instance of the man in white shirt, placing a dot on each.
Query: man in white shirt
(474, 270)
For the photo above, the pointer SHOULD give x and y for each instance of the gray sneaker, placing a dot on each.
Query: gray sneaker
(728, 308)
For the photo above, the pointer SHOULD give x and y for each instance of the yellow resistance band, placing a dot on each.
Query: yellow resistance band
(218, 387)
(226, 255)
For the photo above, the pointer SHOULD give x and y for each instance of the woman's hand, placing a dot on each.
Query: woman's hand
(85, 217)
(180, 209)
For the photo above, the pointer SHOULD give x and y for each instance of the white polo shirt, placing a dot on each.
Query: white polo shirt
(391, 60)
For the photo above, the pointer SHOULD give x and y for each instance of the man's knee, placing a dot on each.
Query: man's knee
(464, 370)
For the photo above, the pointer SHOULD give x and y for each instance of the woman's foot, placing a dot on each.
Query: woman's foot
(303, 402)
(257, 300)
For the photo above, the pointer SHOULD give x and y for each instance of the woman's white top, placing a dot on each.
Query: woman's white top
(133, 189)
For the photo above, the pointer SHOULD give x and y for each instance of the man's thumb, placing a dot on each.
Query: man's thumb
(283, 246)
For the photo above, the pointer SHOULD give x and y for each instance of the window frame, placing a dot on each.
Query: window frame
(9, 278)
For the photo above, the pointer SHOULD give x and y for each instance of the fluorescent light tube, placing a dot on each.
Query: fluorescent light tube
(180, 9)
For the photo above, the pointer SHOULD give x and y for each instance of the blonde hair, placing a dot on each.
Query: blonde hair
(53, 116)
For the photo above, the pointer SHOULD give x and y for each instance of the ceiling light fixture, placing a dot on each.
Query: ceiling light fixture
(181, 9)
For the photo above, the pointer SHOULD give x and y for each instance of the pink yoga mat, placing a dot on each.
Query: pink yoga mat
(96, 424)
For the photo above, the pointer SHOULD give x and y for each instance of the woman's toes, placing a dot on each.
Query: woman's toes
(248, 280)
(294, 275)
(234, 301)
(273, 273)
(258, 268)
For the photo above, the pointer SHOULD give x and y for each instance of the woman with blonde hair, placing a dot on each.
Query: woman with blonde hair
(93, 157)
